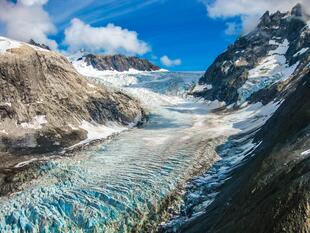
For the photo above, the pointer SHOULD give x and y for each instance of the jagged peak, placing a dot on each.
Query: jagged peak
(270, 20)
(297, 10)
(43, 46)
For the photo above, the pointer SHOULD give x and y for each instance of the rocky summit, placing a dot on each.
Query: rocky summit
(118, 63)
(259, 65)
(46, 105)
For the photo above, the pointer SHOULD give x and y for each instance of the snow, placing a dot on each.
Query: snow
(273, 42)
(271, 69)
(300, 52)
(241, 62)
(282, 48)
(6, 44)
(91, 85)
(24, 163)
(111, 77)
(90, 71)
(307, 152)
(199, 88)
(36, 122)
(98, 132)
(3, 131)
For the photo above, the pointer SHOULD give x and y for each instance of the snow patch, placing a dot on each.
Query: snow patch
(97, 132)
(307, 152)
(6, 44)
(282, 48)
(36, 122)
(273, 42)
(24, 163)
(89, 70)
(8, 104)
(199, 88)
(3, 132)
(300, 52)
(271, 69)
(91, 85)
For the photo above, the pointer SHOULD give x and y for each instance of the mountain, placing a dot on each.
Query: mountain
(43, 46)
(117, 63)
(269, 191)
(260, 64)
(46, 105)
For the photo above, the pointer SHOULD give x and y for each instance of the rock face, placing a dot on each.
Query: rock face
(43, 46)
(44, 101)
(118, 63)
(269, 191)
(258, 64)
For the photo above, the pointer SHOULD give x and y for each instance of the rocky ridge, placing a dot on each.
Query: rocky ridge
(46, 105)
(43, 46)
(117, 63)
(260, 64)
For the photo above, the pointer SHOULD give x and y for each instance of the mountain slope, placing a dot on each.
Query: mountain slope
(46, 105)
(259, 64)
(268, 191)
(116, 63)
(271, 191)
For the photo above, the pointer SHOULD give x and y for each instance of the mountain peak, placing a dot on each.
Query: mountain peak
(43, 46)
(297, 10)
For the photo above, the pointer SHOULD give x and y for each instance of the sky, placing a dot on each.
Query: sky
(182, 35)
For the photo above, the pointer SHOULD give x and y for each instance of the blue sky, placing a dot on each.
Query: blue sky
(183, 34)
(178, 29)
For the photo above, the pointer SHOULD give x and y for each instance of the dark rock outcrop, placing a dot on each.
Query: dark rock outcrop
(44, 101)
(282, 39)
(119, 63)
(43, 46)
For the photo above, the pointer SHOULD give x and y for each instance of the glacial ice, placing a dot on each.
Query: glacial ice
(271, 69)
(122, 182)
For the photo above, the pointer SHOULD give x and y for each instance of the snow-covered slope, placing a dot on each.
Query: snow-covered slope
(113, 63)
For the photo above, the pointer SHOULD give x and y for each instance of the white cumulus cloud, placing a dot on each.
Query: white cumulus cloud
(110, 39)
(33, 2)
(249, 11)
(27, 20)
(165, 60)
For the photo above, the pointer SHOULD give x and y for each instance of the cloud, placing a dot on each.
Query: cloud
(165, 60)
(33, 2)
(110, 39)
(248, 11)
(231, 28)
(26, 19)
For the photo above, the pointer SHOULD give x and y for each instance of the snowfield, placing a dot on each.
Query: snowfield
(271, 69)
